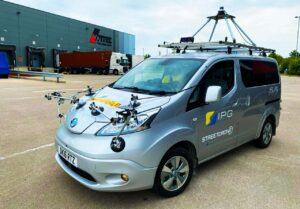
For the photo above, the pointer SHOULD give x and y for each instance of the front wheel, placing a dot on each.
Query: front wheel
(116, 72)
(174, 172)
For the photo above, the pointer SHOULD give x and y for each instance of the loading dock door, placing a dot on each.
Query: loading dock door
(35, 58)
(10, 51)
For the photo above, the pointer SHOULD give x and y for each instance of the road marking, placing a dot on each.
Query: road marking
(24, 88)
(285, 112)
(50, 90)
(75, 82)
(20, 98)
(26, 151)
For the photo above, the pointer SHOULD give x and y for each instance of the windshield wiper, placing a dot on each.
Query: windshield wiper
(162, 92)
(134, 88)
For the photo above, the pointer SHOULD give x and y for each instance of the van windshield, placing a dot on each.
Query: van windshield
(159, 76)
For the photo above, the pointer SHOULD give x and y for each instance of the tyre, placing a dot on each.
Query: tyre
(116, 72)
(105, 71)
(266, 135)
(100, 72)
(174, 172)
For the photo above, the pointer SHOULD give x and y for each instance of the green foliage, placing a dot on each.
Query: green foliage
(278, 57)
(294, 67)
(294, 54)
(146, 56)
(280, 60)
(289, 65)
(284, 64)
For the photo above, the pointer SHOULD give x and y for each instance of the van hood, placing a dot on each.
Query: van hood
(79, 119)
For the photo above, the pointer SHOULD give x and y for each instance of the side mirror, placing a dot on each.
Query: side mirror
(213, 94)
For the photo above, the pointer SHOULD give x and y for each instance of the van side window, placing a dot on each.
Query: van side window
(258, 73)
(220, 74)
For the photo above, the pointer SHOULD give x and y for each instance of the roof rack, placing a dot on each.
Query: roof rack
(221, 46)
(187, 43)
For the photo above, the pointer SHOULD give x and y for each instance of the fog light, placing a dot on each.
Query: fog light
(124, 177)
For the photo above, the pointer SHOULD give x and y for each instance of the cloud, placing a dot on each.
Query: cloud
(269, 23)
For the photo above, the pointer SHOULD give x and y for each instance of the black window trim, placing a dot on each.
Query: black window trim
(189, 106)
(263, 60)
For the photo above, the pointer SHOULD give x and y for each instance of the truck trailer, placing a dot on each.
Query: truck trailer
(101, 62)
(134, 59)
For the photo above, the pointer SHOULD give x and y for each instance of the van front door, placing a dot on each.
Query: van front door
(217, 123)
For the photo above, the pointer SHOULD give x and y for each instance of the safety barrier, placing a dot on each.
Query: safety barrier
(20, 73)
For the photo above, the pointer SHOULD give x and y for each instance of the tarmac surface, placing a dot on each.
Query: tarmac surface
(246, 177)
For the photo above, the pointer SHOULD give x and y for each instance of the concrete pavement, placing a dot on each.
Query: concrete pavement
(246, 177)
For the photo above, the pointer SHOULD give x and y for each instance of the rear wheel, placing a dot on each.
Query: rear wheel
(174, 172)
(266, 135)
(105, 71)
(100, 71)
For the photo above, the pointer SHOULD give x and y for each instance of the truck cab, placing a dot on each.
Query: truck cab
(118, 64)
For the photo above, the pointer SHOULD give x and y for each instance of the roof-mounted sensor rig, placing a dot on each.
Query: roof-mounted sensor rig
(187, 43)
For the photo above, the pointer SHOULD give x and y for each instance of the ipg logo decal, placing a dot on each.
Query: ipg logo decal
(74, 122)
(212, 117)
(96, 38)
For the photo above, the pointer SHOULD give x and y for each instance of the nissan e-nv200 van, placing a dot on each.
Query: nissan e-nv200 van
(185, 109)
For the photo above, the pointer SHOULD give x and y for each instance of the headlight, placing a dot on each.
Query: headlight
(143, 122)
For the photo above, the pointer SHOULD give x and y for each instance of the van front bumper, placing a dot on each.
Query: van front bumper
(105, 175)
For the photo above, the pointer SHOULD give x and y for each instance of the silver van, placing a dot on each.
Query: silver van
(155, 124)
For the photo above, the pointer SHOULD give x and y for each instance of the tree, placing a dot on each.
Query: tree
(284, 64)
(294, 67)
(146, 56)
(294, 54)
(278, 57)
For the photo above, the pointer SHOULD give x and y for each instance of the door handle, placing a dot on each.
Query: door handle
(236, 104)
(242, 102)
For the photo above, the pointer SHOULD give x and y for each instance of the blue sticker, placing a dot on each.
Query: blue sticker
(74, 122)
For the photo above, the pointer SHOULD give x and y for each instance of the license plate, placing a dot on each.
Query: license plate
(67, 156)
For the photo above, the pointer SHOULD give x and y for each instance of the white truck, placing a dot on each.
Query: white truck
(118, 63)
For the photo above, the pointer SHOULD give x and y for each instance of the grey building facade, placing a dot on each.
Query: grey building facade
(32, 38)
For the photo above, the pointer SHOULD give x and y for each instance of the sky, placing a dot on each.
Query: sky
(269, 23)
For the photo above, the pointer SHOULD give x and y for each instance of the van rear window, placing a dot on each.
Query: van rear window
(258, 73)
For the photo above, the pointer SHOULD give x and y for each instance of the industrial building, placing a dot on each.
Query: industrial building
(32, 38)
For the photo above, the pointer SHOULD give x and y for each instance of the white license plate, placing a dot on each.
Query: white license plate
(67, 156)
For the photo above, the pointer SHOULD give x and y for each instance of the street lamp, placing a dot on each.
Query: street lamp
(297, 17)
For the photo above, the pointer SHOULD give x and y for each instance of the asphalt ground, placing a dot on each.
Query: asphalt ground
(245, 177)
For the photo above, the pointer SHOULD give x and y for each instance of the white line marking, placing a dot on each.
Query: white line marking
(24, 88)
(26, 151)
(75, 81)
(50, 90)
(286, 112)
(21, 98)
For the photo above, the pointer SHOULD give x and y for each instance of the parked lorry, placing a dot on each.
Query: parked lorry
(101, 62)
(134, 60)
